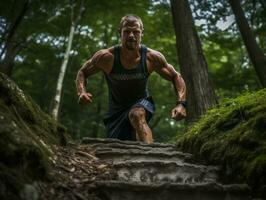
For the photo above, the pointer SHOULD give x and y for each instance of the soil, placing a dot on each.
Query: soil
(73, 174)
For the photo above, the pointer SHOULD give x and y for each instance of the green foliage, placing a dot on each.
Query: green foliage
(230, 70)
(232, 136)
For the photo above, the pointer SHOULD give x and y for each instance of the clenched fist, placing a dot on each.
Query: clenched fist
(178, 112)
(85, 98)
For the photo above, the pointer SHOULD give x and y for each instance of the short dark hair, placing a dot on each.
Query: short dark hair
(130, 17)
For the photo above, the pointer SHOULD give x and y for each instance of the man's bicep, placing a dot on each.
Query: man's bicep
(89, 68)
(93, 65)
(101, 61)
(167, 72)
(164, 69)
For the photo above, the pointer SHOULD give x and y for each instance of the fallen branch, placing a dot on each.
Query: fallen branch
(87, 155)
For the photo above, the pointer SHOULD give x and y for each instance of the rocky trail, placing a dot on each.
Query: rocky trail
(159, 171)
(123, 170)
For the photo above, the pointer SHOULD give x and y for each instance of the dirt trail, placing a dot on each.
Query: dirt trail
(75, 169)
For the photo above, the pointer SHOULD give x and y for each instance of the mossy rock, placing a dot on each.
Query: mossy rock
(27, 136)
(233, 136)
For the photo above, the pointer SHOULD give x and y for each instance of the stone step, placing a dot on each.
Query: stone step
(87, 140)
(122, 155)
(119, 190)
(130, 147)
(172, 172)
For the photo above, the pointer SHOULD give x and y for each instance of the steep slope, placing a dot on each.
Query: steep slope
(27, 136)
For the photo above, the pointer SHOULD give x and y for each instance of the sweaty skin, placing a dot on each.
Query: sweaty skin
(131, 34)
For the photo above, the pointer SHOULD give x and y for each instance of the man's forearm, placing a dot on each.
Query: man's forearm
(180, 87)
(80, 82)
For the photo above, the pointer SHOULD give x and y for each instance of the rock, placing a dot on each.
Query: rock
(159, 172)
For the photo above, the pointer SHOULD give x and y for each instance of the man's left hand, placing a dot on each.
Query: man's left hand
(178, 112)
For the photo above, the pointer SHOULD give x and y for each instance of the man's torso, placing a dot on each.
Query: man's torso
(127, 81)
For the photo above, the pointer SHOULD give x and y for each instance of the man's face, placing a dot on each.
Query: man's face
(131, 34)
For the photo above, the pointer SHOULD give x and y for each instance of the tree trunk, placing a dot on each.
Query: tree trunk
(57, 99)
(10, 49)
(193, 66)
(8, 62)
(255, 53)
(58, 94)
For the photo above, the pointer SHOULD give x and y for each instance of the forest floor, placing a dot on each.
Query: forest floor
(73, 173)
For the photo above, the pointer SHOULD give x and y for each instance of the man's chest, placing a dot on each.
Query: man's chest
(130, 63)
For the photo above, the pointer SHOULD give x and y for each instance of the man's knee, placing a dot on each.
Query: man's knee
(136, 114)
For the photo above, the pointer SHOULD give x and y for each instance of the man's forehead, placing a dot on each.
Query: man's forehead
(131, 24)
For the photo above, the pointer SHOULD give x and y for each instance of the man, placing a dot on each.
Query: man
(127, 67)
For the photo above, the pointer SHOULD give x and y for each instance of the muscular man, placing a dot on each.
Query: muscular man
(127, 67)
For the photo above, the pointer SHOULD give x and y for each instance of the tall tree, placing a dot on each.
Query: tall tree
(255, 53)
(193, 66)
(11, 46)
(75, 18)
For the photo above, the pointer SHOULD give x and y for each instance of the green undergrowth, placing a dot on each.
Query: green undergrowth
(232, 136)
(27, 136)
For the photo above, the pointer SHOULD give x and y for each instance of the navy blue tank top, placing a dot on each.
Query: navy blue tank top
(126, 86)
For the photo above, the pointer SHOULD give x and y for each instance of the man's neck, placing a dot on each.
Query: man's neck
(130, 54)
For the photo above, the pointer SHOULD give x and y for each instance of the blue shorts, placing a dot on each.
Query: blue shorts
(117, 122)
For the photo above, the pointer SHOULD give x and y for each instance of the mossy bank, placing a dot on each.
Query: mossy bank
(232, 136)
(27, 136)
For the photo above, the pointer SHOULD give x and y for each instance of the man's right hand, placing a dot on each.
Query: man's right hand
(85, 98)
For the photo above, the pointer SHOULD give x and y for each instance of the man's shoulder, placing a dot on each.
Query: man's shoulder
(106, 54)
(154, 54)
(104, 59)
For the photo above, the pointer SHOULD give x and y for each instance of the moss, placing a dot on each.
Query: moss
(256, 170)
(27, 136)
(233, 136)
